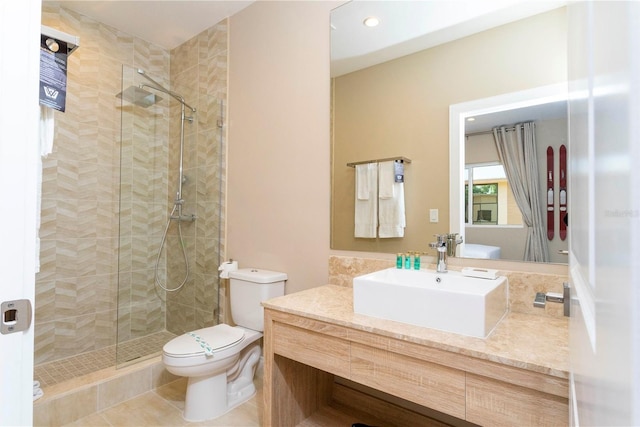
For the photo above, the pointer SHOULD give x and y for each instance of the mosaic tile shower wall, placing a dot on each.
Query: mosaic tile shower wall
(77, 287)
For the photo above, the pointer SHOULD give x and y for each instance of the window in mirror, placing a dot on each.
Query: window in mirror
(492, 202)
(485, 203)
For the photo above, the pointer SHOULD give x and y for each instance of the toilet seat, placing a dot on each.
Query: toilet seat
(220, 337)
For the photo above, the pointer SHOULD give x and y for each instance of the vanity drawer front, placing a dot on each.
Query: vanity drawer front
(424, 383)
(496, 403)
(317, 350)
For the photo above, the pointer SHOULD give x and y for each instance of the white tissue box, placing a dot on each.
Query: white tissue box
(482, 273)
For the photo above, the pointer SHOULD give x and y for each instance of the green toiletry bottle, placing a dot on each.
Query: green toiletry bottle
(399, 261)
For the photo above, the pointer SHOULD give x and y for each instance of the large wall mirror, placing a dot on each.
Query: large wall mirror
(401, 107)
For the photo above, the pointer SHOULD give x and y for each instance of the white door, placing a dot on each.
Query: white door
(19, 68)
(604, 144)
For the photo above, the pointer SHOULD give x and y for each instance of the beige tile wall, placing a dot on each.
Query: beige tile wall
(77, 288)
(143, 190)
(198, 72)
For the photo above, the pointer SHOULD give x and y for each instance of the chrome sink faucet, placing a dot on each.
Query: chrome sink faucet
(453, 240)
(441, 247)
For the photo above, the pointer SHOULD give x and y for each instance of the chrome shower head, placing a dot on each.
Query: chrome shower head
(138, 96)
(157, 86)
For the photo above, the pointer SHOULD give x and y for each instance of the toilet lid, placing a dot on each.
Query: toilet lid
(217, 337)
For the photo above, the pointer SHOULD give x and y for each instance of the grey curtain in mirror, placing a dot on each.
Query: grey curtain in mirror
(517, 152)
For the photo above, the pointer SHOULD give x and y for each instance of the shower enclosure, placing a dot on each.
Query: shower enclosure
(170, 213)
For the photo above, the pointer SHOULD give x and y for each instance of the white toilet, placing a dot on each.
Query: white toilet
(220, 361)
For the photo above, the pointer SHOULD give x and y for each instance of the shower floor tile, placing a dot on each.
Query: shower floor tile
(65, 369)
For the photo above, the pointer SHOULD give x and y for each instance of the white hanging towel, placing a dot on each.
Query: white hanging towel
(391, 204)
(46, 130)
(46, 148)
(366, 203)
(37, 390)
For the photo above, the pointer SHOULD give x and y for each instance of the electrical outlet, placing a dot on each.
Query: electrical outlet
(433, 215)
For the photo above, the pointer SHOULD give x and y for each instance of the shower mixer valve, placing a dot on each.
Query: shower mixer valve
(189, 218)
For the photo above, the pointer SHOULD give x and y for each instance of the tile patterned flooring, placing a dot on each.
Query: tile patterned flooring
(65, 369)
(163, 407)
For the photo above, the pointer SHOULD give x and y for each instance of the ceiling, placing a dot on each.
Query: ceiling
(165, 23)
(410, 26)
(405, 27)
(547, 111)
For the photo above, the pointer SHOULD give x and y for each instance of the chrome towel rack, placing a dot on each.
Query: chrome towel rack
(396, 159)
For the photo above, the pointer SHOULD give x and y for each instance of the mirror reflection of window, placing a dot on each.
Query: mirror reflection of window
(492, 202)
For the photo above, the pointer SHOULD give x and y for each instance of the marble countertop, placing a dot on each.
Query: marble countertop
(531, 342)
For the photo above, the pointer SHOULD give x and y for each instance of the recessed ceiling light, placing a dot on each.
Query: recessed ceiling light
(471, 119)
(371, 21)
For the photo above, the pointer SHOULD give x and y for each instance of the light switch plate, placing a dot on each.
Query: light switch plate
(433, 215)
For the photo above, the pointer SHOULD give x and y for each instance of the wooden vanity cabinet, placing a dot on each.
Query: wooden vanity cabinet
(302, 356)
(417, 381)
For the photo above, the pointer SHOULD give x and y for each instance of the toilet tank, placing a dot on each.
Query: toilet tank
(249, 287)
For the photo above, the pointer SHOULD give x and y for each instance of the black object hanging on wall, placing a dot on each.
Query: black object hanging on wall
(55, 48)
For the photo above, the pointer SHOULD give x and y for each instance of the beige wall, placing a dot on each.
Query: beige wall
(480, 149)
(278, 152)
(401, 108)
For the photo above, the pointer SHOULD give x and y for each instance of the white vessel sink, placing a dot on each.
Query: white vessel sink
(446, 301)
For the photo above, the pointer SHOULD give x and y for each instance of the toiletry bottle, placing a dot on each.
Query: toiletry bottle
(407, 260)
(416, 261)
(399, 261)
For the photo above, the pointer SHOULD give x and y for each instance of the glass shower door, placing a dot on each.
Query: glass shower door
(149, 316)
(143, 200)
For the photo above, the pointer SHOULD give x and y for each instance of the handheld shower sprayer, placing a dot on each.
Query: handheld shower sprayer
(176, 212)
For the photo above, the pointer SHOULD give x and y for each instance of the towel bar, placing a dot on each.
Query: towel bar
(397, 159)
